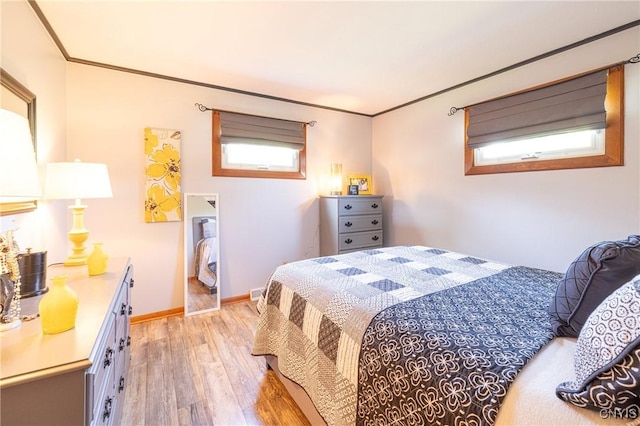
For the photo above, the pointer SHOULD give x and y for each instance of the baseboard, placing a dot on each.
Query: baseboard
(158, 315)
(176, 312)
(235, 299)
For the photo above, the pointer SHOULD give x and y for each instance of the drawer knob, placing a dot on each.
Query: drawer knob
(348, 241)
(374, 206)
(348, 224)
(374, 222)
(108, 357)
(375, 238)
(107, 408)
(348, 207)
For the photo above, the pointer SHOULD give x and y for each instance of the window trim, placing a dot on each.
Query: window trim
(614, 137)
(216, 158)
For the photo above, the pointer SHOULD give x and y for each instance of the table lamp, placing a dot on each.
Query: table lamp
(19, 182)
(336, 179)
(77, 180)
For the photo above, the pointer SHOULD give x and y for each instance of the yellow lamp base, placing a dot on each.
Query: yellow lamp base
(78, 235)
(74, 260)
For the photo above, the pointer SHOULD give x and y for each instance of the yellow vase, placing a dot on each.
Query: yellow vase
(58, 307)
(97, 260)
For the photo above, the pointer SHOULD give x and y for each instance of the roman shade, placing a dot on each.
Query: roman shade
(568, 106)
(252, 129)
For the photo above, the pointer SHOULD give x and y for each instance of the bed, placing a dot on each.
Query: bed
(205, 254)
(420, 335)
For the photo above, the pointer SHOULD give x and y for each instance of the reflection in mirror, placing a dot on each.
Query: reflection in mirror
(17, 98)
(201, 253)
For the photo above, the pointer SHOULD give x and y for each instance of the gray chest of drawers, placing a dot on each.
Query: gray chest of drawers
(76, 377)
(349, 223)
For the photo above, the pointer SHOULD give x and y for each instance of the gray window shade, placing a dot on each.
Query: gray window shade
(572, 105)
(244, 128)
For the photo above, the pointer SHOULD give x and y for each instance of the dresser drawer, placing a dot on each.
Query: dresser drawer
(359, 223)
(101, 375)
(354, 206)
(360, 240)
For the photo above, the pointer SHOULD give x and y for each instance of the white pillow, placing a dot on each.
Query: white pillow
(208, 228)
(607, 355)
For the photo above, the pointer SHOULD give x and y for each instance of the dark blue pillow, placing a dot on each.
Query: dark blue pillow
(595, 274)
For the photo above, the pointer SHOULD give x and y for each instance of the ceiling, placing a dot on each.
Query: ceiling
(359, 56)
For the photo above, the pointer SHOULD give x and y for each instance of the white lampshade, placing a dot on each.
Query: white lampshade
(75, 180)
(19, 179)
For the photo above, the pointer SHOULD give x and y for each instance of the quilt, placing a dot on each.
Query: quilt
(315, 315)
(448, 358)
(205, 262)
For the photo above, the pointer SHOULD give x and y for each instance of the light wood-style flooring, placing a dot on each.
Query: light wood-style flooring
(200, 297)
(199, 370)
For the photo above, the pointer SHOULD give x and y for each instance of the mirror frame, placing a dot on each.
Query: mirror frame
(15, 87)
(189, 254)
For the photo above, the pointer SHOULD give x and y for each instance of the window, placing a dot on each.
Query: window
(250, 146)
(259, 157)
(565, 145)
(531, 130)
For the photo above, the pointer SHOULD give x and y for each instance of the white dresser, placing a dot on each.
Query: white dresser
(349, 223)
(76, 377)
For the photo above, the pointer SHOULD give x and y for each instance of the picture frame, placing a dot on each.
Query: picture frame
(353, 190)
(363, 182)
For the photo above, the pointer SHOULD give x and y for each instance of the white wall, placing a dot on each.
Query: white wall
(30, 56)
(542, 219)
(264, 222)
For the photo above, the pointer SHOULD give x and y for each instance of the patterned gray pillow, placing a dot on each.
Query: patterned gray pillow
(595, 274)
(607, 356)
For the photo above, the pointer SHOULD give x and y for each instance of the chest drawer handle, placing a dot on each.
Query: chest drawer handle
(121, 345)
(374, 222)
(121, 384)
(107, 408)
(348, 241)
(128, 340)
(375, 238)
(131, 283)
(123, 308)
(374, 206)
(348, 224)
(347, 207)
(108, 357)
(130, 310)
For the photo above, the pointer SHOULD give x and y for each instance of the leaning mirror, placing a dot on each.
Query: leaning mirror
(17, 98)
(201, 253)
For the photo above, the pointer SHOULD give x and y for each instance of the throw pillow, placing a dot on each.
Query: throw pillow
(208, 229)
(607, 357)
(594, 275)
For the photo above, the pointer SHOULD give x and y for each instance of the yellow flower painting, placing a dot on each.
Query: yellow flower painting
(163, 175)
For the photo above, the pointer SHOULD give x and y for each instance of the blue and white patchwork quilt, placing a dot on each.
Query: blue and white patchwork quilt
(404, 335)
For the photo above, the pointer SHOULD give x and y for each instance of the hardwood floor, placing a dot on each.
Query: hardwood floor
(199, 370)
(200, 296)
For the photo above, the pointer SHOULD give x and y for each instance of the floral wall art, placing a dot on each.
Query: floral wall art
(162, 190)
